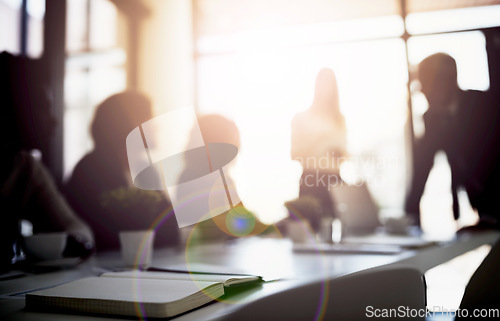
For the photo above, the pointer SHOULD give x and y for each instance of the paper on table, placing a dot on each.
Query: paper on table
(204, 268)
(227, 280)
(411, 242)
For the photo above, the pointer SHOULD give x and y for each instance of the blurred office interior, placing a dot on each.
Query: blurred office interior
(255, 62)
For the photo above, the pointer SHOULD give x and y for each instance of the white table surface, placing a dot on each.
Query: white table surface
(269, 257)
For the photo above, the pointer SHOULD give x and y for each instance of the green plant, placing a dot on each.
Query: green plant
(134, 201)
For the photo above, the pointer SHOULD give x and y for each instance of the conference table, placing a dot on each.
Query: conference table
(272, 258)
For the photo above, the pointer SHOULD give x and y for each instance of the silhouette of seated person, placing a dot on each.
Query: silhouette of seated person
(27, 190)
(100, 188)
(462, 124)
(319, 143)
(217, 129)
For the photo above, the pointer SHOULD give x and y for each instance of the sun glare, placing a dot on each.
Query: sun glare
(263, 89)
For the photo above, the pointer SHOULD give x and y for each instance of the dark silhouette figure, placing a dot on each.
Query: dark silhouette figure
(106, 169)
(463, 124)
(27, 190)
(319, 142)
(483, 289)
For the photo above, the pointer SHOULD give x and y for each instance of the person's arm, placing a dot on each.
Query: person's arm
(45, 206)
(423, 159)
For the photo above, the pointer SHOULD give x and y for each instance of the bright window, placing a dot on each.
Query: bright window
(95, 69)
(10, 27)
(262, 76)
(262, 89)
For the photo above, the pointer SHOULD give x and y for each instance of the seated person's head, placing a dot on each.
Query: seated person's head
(219, 129)
(438, 78)
(326, 91)
(214, 129)
(115, 118)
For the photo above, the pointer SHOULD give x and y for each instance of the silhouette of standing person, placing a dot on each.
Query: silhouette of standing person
(463, 125)
(319, 142)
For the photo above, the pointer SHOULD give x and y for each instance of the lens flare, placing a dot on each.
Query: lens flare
(237, 222)
(240, 221)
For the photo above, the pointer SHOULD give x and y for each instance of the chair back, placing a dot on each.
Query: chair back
(396, 293)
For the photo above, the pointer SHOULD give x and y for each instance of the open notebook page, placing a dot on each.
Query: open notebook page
(227, 280)
(121, 296)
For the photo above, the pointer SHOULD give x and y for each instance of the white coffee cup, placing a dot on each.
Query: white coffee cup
(137, 247)
(46, 246)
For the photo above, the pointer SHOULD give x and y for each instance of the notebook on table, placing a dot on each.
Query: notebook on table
(132, 293)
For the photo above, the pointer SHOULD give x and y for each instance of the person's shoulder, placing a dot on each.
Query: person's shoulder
(303, 117)
(479, 103)
(473, 92)
(82, 168)
(299, 116)
(88, 162)
(476, 97)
